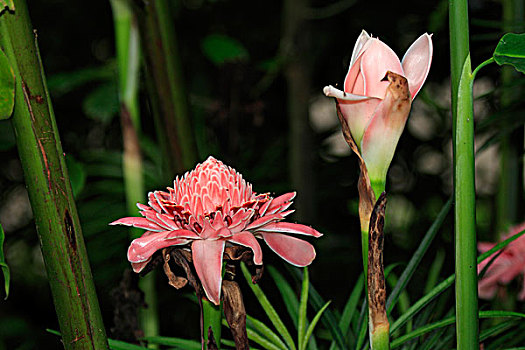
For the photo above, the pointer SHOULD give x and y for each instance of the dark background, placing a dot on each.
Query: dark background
(249, 131)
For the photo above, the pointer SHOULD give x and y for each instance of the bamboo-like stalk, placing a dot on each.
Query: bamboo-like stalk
(128, 62)
(467, 328)
(49, 188)
(166, 86)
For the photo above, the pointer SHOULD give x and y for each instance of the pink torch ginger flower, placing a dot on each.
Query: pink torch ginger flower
(212, 207)
(507, 266)
(370, 108)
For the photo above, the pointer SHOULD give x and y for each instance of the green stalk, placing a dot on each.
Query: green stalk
(467, 328)
(166, 86)
(49, 188)
(128, 61)
(212, 317)
(465, 217)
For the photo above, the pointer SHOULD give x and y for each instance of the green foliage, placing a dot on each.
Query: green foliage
(511, 51)
(77, 174)
(263, 335)
(102, 103)
(7, 87)
(3, 263)
(221, 49)
(7, 137)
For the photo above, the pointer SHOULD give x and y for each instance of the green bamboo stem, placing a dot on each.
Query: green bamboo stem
(49, 188)
(166, 86)
(128, 62)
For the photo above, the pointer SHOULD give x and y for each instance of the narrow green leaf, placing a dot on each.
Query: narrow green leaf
(264, 330)
(496, 330)
(314, 322)
(418, 256)
(290, 299)
(328, 319)
(448, 321)
(121, 345)
(421, 303)
(301, 327)
(221, 49)
(265, 343)
(268, 308)
(177, 342)
(511, 51)
(7, 87)
(350, 308)
(3, 264)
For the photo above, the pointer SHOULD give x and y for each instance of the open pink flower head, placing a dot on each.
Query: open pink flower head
(506, 267)
(366, 102)
(210, 207)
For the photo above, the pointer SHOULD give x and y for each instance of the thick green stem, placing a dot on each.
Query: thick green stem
(212, 317)
(467, 328)
(465, 217)
(49, 188)
(166, 86)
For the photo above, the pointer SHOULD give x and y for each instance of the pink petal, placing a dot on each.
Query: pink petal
(288, 227)
(247, 239)
(182, 234)
(294, 250)
(141, 249)
(357, 110)
(138, 222)
(264, 220)
(359, 46)
(485, 246)
(375, 62)
(382, 135)
(416, 63)
(137, 267)
(282, 200)
(207, 259)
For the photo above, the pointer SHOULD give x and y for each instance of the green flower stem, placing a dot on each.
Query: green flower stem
(212, 317)
(380, 339)
(378, 186)
(47, 180)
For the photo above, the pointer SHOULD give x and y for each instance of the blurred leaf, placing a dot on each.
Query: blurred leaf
(290, 299)
(10, 4)
(221, 49)
(511, 50)
(62, 83)
(7, 86)
(269, 309)
(102, 103)
(178, 343)
(77, 174)
(7, 135)
(3, 264)
(259, 327)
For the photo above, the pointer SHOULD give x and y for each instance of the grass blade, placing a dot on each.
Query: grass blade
(314, 322)
(268, 308)
(264, 330)
(290, 299)
(301, 327)
(418, 255)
